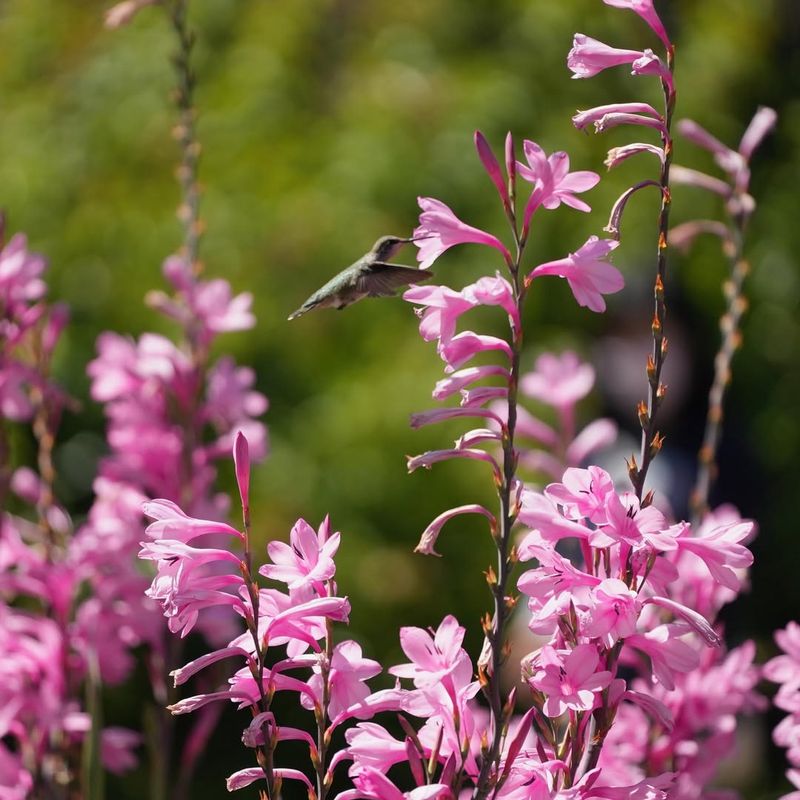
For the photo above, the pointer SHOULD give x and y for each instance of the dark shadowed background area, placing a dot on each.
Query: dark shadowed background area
(321, 122)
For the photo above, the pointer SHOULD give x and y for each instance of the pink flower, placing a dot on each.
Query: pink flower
(433, 658)
(553, 182)
(588, 275)
(569, 680)
(371, 746)
(583, 493)
(467, 344)
(374, 785)
(440, 229)
(593, 115)
(646, 10)
(719, 548)
(306, 563)
(588, 56)
(441, 308)
(650, 64)
(427, 542)
(559, 381)
(613, 612)
(348, 671)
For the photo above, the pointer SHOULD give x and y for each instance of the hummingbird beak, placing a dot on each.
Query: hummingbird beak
(419, 238)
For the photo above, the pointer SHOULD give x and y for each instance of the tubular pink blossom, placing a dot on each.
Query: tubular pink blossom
(646, 10)
(477, 436)
(615, 218)
(614, 120)
(464, 377)
(253, 734)
(435, 456)
(588, 275)
(480, 395)
(491, 166)
(682, 236)
(171, 522)
(654, 707)
(494, 291)
(729, 160)
(650, 64)
(693, 177)
(761, 124)
(588, 56)
(441, 308)
(435, 415)
(244, 777)
(582, 119)
(182, 674)
(189, 704)
(467, 344)
(427, 542)
(697, 622)
(440, 229)
(616, 155)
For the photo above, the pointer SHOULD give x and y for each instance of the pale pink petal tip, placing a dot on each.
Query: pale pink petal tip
(241, 461)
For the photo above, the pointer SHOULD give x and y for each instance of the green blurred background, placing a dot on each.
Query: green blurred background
(321, 121)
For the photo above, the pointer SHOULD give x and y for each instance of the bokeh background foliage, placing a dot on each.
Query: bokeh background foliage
(321, 121)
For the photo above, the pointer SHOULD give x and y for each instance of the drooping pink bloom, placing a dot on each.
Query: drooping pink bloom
(646, 10)
(650, 64)
(569, 680)
(588, 274)
(592, 115)
(440, 229)
(588, 56)
(616, 155)
(427, 542)
(466, 345)
(306, 562)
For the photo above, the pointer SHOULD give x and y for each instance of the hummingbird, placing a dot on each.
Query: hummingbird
(370, 276)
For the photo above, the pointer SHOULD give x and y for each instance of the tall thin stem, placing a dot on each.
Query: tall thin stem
(185, 134)
(495, 630)
(730, 322)
(651, 438)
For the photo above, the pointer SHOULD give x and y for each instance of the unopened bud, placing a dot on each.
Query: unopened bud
(644, 417)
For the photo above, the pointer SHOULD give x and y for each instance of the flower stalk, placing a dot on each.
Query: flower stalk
(651, 439)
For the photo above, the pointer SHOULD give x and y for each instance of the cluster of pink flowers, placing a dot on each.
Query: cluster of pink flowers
(785, 670)
(628, 692)
(50, 630)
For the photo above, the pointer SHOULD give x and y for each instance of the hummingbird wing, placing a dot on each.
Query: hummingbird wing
(382, 279)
